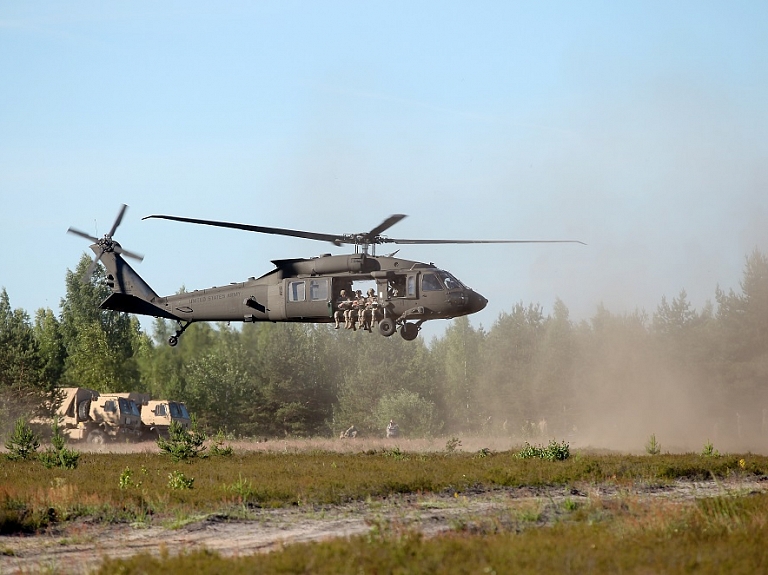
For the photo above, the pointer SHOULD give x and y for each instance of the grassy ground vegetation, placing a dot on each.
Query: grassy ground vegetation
(629, 533)
(721, 535)
(139, 486)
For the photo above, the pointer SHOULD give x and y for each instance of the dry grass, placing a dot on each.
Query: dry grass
(632, 532)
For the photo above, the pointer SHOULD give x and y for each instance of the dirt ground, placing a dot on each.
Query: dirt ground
(81, 546)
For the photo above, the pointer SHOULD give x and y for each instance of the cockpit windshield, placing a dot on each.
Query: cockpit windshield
(450, 282)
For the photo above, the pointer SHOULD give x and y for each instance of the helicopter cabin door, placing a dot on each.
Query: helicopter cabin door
(307, 298)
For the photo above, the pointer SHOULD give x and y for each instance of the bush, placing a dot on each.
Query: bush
(58, 455)
(653, 447)
(709, 450)
(553, 452)
(182, 444)
(23, 443)
(177, 480)
(452, 444)
(217, 445)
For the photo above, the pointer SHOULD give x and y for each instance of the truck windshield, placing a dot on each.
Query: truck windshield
(127, 406)
(178, 410)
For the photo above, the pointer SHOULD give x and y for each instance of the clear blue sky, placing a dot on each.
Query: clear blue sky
(640, 128)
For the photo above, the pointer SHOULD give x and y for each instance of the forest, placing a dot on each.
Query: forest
(686, 375)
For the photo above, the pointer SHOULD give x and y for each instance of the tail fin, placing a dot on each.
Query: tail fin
(130, 293)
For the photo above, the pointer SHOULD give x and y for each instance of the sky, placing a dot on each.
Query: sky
(639, 128)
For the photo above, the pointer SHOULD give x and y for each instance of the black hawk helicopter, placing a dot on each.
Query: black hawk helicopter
(407, 293)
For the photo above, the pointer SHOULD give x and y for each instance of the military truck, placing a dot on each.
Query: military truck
(157, 414)
(93, 417)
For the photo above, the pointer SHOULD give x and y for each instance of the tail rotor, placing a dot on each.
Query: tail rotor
(106, 244)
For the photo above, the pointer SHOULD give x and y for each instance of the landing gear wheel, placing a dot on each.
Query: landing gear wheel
(409, 331)
(96, 437)
(174, 339)
(387, 326)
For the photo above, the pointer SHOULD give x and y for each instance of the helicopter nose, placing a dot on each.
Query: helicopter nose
(476, 302)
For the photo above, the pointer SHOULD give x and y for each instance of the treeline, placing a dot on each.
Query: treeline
(684, 374)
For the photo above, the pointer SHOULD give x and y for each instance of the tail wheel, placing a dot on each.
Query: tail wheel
(96, 437)
(387, 326)
(409, 331)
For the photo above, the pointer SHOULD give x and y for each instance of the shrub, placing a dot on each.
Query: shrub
(709, 450)
(217, 446)
(177, 480)
(182, 444)
(58, 455)
(653, 447)
(23, 443)
(452, 444)
(553, 452)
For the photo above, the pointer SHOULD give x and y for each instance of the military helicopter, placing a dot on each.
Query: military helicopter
(407, 293)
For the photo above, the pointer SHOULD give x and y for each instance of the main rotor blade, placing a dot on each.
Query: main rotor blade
(122, 251)
(385, 225)
(334, 239)
(82, 234)
(427, 242)
(91, 268)
(117, 221)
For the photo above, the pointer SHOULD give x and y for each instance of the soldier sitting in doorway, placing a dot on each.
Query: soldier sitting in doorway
(366, 310)
(353, 314)
(343, 303)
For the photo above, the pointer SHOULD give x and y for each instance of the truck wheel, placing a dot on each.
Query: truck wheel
(409, 331)
(84, 410)
(96, 437)
(387, 327)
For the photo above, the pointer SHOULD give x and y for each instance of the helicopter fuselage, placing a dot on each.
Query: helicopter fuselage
(302, 290)
(314, 290)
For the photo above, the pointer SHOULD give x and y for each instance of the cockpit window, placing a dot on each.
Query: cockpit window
(450, 282)
(429, 282)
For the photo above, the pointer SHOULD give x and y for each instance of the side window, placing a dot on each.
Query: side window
(296, 291)
(429, 282)
(410, 286)
(110, 406)
(318, 290)
(160, 410)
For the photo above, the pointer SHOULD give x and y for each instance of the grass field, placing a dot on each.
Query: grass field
(589, 513)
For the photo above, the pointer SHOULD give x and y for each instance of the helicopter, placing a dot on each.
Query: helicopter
(408, 293)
